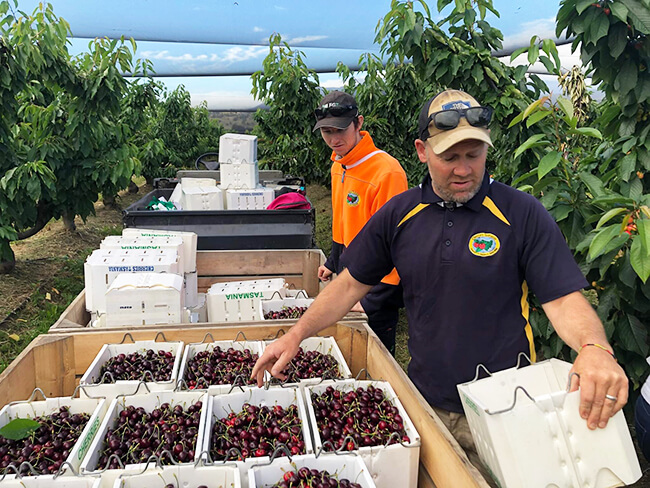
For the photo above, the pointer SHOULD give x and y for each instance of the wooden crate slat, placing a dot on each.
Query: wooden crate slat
(216, 263)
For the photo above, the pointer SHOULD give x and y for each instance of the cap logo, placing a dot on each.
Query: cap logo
(352, 199)
(456, 105)
(484, 245)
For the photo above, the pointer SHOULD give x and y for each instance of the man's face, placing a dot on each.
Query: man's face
(341, 141)
(456, 173)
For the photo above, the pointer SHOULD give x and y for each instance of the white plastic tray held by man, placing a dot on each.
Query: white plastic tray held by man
(345, 466)
(182, 476)
(49, 481)
(529, 433)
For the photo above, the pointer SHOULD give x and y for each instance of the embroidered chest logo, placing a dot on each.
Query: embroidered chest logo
(484, 245)
(352, 199)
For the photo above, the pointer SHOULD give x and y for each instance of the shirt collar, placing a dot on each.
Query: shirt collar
(429, 196)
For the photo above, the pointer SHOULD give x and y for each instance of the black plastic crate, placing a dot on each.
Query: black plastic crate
(228, 229)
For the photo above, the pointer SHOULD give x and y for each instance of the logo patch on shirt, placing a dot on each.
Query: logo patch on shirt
(352, 199)
(484, 245)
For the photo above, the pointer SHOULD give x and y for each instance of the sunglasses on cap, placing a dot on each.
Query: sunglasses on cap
(333, 110)
(449, 119)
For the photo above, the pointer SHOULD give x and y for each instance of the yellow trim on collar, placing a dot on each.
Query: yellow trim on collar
(492, 207)
(419, 207)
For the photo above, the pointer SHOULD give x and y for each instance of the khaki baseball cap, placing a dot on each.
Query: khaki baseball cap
(441, 140)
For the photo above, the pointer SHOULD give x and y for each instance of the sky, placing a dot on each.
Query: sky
(212, 47)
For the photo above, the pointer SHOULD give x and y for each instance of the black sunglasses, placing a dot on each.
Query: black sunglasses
(449, 119)
(334, 110)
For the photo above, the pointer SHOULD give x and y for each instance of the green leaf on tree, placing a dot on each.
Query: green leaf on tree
(548, 162)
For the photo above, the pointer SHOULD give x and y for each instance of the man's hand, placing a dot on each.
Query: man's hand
(324, 273)
(603, 386)
(357, 307)
(276, 357)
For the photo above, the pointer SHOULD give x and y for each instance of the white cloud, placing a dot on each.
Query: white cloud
(208, 61)
(300, 40)
(278, 7)
(258, 29)
(542, 28)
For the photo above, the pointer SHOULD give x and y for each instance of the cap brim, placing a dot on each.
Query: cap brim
(335, 122)
(444, 140)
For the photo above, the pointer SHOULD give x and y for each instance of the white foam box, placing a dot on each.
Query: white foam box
(49, 481)
(202, 198)
(145, 299)
(144, 243)
(148, 401)
(345, 466)
(221, 405)
(100, 269)
(237, 148)
(189, 243)
(200, 182)
(276, 305)
(324, 345)
(256, 199)
(236, 301)
(255, 347)
(543, 442)
(238, 176)
(191, 289)
(389, 466)
(96, 407)
(182, 476)
(125, 387)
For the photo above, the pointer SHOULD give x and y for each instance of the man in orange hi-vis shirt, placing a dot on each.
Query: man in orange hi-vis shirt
(363, 179)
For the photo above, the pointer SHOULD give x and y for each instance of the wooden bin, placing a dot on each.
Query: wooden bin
(298, 267)
(55, 362)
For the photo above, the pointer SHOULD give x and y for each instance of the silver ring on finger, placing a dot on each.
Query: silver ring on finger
(611, 397)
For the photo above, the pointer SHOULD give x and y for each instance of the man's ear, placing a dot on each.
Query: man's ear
(421, 148)
(360, 119)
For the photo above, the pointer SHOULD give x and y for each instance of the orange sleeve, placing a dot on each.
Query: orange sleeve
(391, 184)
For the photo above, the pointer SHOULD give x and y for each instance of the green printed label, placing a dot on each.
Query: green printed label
(471, 404)
(238, 296)
(139, 247)
(85, 444)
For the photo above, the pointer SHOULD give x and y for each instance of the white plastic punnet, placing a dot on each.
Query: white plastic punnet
(237, 148)
(103, 266)
(96, 407)
(148, 401)
(345, 466)
(389, 466)
(49, 481)
(255, 199)
(92, 375)
(139, 242)
(236, 301)
(145, 298)
(189, 242)
(182, 476)
(202, 198)
(277, 305)
(191, 350)
(528, 431)
(221, 405)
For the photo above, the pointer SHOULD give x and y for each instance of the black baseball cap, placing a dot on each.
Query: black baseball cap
(337, 109)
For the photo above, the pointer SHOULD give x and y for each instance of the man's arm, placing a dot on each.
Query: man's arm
(330, 306)
(577, 324)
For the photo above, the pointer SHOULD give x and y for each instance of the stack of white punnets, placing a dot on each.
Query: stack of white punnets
(238, 301)
(239, 173)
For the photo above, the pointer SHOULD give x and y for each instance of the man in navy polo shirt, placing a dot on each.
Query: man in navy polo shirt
(467, 249)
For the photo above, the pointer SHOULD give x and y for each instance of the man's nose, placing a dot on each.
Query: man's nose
(463, 168)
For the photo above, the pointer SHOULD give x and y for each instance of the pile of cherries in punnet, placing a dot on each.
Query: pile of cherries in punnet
(312, 478)
(257, 431)
(285, 313)
(48, 446)
(365, 415)
(171, 485)
(311, 364)
(133, 366)
(137, 435)
(220, 367)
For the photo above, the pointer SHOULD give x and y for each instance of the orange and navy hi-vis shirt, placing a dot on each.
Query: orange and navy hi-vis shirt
(362, 182)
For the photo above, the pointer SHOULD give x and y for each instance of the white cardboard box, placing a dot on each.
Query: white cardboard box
(237, 301)
(126, 387)
(201, 182)
(389, 466)
(254, 199)
(103, 266)
(202, 198)
(237, 148)
(147, 243)
(49, 481)
(543, 442)
(189, 242)
(238, 176)
(145, 299)
(344, 466)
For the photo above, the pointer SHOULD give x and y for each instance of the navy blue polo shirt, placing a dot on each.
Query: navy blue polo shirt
(466, 271)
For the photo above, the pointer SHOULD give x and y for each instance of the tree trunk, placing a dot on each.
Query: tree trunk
(68, 222)
(133, 188)
(7, 257)
(109, 200)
